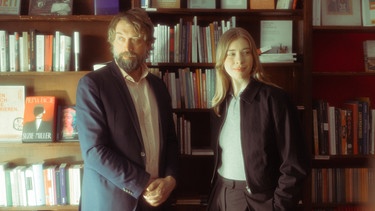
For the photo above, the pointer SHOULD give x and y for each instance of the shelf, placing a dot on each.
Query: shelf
(49, 18)
(338, 29)
(40, 208)
(342, 161)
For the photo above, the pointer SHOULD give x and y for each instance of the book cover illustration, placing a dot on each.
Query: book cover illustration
(66, 124)
(39, 119)
(12, 102)
(50, 7)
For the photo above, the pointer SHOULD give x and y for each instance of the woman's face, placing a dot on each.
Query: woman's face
(239, 59)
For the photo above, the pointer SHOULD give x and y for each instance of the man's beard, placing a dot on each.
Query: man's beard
(133, 61)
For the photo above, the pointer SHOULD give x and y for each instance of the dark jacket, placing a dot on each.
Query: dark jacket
(275, 152)
(111, 142)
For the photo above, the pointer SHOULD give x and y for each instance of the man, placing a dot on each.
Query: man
(126, 129)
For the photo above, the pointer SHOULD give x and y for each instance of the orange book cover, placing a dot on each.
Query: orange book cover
(353, 145)
(39, 120)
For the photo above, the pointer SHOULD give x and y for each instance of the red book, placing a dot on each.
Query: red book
(39, 120)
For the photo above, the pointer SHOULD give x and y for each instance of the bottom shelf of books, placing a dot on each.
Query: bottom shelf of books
(40, 176)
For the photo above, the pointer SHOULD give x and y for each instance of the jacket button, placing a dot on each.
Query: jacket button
(143, 154)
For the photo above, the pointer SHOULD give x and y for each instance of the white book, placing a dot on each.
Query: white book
(39, 44)
(25, 51)
(30, 186)
(22, 191)
(3, 51)
(14, 186)
(65, 52)
(277, 58)
(75, 180)
(37, 169)
(56, 51)
(76, 50)
(3, 191)
(317, 12)
(12, 53)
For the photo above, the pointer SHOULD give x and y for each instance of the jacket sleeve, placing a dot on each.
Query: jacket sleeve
(295, 160)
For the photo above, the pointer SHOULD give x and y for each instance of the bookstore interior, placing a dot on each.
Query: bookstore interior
(321, 52)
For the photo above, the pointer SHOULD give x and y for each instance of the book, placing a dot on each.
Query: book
(50, 7)
(63, 179)
(37, 170)
(12, 104)
(65, 53)
(277, 34)
(233, 4)
(165, 4)
(341, 13)
(76, 50)
(10, 7)
(4, 43)
(40, 52)
(369, 55)
(49, 173)
(317, 12)
(75, 173)
(284, 4)
(30, 186)
(368, 12)
(39, 119)
(66, 124)
(106, 7)
(201, 4)
(262, 4)
(3, 191)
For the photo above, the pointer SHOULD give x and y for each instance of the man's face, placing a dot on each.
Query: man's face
(129, 47)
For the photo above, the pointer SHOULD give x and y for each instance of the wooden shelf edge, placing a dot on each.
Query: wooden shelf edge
(32, 208)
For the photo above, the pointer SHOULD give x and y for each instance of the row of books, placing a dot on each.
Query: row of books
(343, 13)
(189, 88)
(40, 184)
(186, 41)
(345, 130)
(35, 51)
(224, 4)
(342, 185)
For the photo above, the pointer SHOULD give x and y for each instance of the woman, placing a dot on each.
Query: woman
(262, 160)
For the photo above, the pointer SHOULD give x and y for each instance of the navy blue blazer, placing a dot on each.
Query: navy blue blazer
(111, 142)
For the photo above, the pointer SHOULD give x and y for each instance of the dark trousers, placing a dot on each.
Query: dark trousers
(230, 195)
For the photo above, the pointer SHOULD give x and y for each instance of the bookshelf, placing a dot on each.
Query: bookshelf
(338, 75)
(196, 170)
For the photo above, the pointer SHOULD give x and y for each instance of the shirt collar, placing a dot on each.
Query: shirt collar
(127, 77)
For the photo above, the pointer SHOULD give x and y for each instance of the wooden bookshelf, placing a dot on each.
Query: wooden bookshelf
(295, 78)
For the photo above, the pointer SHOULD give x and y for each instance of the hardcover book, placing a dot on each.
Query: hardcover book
(10, 7)
(50, 7)
(12, 103)
(66, 124)
(39, 119)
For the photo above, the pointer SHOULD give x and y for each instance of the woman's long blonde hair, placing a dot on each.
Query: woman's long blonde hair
(223, 80)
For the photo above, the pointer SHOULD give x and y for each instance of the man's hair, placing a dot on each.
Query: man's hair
(38, 109)
(139, 19)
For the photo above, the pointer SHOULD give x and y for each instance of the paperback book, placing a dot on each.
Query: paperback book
(66, 124)
(369, 55)
(39, 119)
(12, 102)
